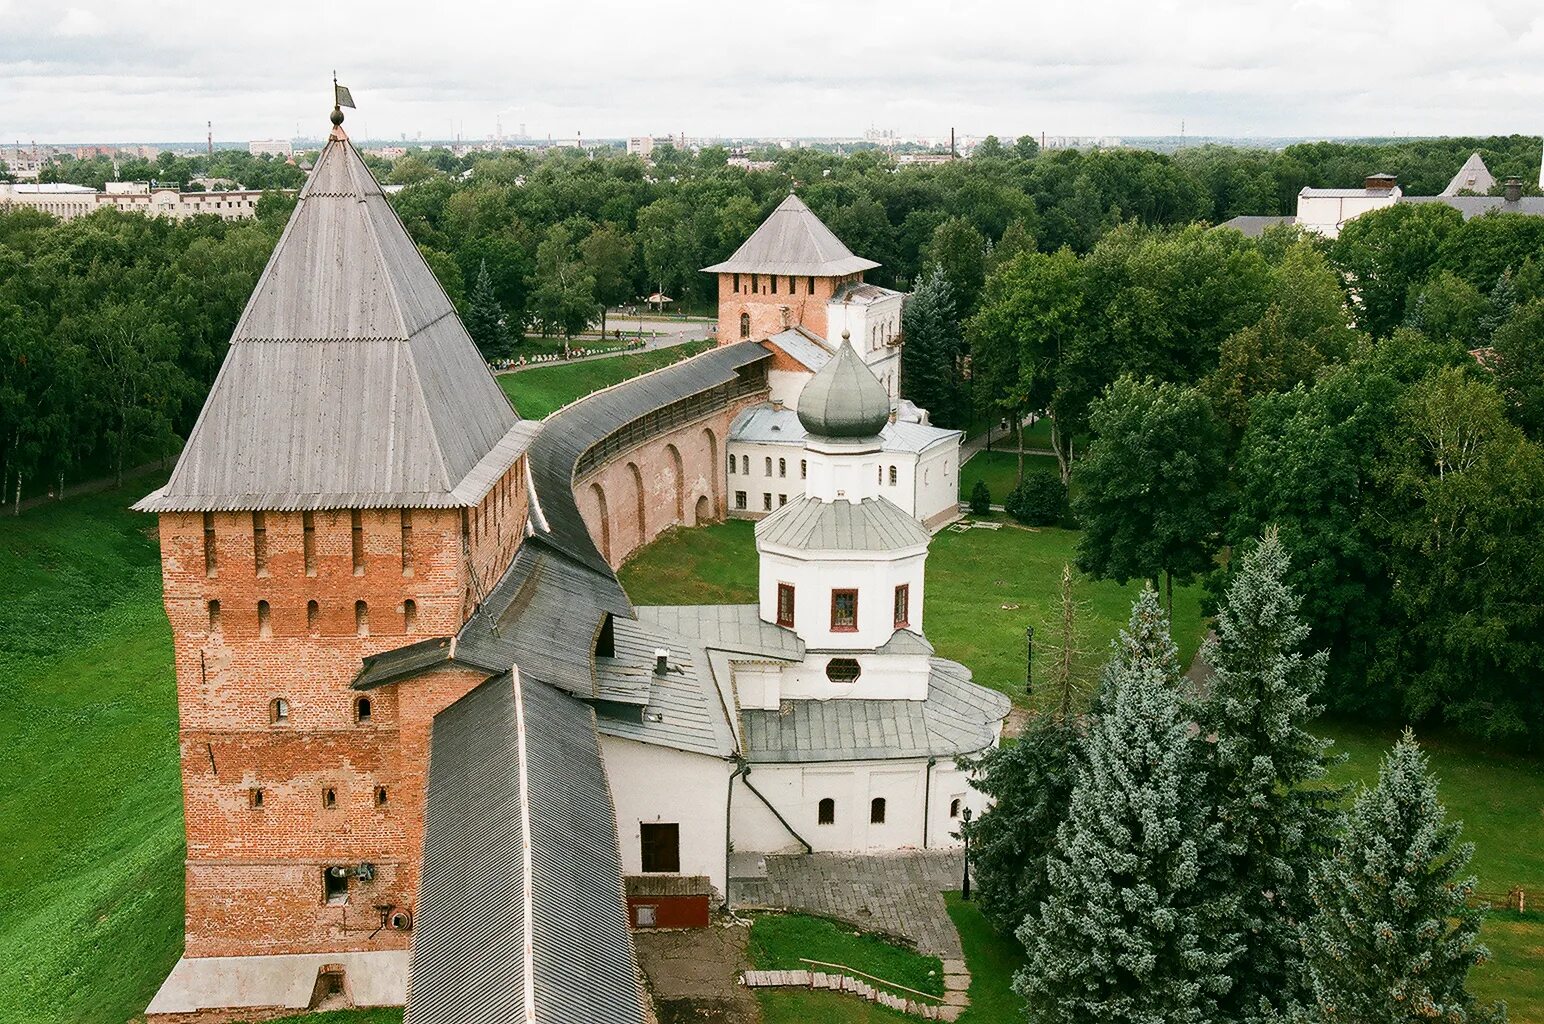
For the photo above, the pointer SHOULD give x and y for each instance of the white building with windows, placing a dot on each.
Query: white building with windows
(821, 713)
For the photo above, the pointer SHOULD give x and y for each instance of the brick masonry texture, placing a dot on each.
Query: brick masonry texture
(254, 874)
(766, 309)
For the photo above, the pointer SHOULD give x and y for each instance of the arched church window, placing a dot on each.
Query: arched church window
(877, 811)
(827, 811)
(745, 325)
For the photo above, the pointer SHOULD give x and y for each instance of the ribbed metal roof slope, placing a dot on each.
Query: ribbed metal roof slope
(685, 711)
(792, 240)
(350, 382)
(803, 345)
(520, 913)
(570, 432)
(1254, 225)
(738, 628)
(872, 525)
(958, 717)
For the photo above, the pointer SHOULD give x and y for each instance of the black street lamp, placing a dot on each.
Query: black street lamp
(1029, 660)
(965, 834)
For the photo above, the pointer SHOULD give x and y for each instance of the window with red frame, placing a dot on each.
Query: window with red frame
(903, 605)
(844, 611)
(785, 604)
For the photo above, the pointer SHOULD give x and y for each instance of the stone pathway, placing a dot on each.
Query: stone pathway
(897, 894)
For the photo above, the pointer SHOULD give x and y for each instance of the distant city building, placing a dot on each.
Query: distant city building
(271, 147)
(1325, 211)
(640, 146)
(925, 158)
(70, 201)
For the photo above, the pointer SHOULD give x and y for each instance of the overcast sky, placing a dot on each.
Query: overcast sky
(156, 71)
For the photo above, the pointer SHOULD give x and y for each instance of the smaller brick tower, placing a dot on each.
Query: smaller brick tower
(354, 484)
(783, 276)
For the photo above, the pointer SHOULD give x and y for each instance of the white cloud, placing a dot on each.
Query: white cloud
(157, 72)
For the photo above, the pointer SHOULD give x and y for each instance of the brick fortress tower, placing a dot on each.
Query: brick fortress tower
(784, 275)
(355, 480)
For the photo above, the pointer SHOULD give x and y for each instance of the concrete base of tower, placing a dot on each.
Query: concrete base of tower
(211, 990)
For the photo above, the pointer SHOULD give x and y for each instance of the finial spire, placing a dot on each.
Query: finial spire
(340, 99)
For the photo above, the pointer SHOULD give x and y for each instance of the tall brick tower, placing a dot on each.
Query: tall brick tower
(784, 275)
(354, 483)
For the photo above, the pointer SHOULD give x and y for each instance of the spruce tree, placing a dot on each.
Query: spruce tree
(1266, 773)
(930, 355)
(1393, 937)
(484, 317)
(1135, 928)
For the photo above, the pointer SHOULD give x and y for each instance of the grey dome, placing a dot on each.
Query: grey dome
(844, 399)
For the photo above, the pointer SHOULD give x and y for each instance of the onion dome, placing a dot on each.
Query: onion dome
(845, 399)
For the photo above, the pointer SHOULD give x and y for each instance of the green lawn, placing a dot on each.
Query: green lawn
(544, 389)
(991, 959)
(983, 588)
(808, 1006)
(1000, 470)
(90, 799)
(779, 941)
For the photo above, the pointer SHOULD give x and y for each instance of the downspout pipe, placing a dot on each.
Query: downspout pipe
(927, 796)
(728, 818)
(745, 773)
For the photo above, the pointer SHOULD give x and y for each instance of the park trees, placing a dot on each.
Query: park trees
(1135, 929)
(1388, 251)
(961, 252)
(1519, 365)
(1030, 315)
(1265, 774)
(564, 299)
(1153, 499)
(608, 256)
(1392, 938)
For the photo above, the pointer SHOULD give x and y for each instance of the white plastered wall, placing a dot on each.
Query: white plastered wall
(659, 784)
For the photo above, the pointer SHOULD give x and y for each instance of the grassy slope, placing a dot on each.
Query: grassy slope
(539, 391)
(992, 959)
(90, 807)
(971, 576)
(779, 941)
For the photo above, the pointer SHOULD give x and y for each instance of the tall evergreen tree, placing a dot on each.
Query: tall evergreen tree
(930, 371)
(1135, 929)
(484, 317)
(1393, 938)
(1266, 773)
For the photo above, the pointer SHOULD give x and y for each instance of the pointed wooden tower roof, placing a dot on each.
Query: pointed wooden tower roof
(350, 381)
(1473, 176)
(792, 240)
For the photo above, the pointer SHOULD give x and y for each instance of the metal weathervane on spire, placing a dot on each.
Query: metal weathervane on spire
(340, 98)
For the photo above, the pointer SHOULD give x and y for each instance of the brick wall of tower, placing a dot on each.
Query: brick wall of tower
(254, 873)
(752, 294)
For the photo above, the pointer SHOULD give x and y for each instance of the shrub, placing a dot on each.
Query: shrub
(1040, 500)
(980, 499)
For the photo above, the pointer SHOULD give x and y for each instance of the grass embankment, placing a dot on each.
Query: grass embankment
(781, 942)
(778, 941)
(983, 588)
(90, 799)
(543, 389)
(991, 959)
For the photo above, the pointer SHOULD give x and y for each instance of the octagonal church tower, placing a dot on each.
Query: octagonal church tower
(354, 481)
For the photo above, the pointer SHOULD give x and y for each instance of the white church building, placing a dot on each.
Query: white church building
(790, 287)
(819, 718)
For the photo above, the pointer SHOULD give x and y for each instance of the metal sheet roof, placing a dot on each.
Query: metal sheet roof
(738, 628)
(863, 294)
(792, 240)
(1475, 206)
(520, 914)
(809, 524)
(804, 346)
(1253, 226)
(685, 711)
(349, 382)
(958, 717)
(1473, 176)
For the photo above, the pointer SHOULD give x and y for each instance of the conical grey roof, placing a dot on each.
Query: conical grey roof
(845, 399)
(1473, 176)
(350, 381)
(792, 240)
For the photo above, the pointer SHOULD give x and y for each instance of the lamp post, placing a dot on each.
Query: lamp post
(965, 835)
(1029, 660)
